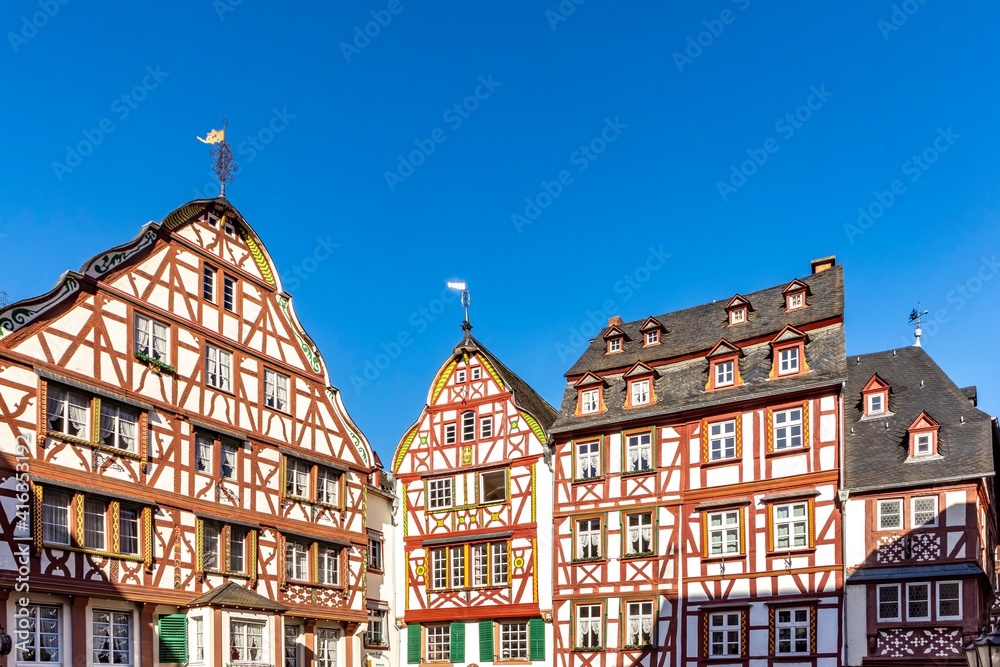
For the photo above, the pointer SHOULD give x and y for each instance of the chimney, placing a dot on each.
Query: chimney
(823, 263)
(615, 321)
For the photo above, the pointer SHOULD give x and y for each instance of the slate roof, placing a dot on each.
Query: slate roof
(914, 572)
(232, 595)
(525, 397)
(695, 331)
(875, 456)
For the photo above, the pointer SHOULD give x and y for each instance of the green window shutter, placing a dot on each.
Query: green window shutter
(413, 644)
(486, 641)
(457, 642)
(173, 638)
(536, 639)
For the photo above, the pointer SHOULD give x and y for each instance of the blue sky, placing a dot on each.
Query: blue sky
(590, 141)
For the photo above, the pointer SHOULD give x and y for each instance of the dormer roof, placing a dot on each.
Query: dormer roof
(922, 422)
(723, 348)
(651, 324)
(875, 384)
(640, 369)
(789, 334)
(739, 301)
(796, 286)
(614, 331)
(590, 380)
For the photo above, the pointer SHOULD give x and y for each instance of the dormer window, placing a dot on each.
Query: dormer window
(795, 295)
(738, 310)
(652, 338)
(737, 316)
(639, 385)
(876, 404)
(789, 353)
(640, 392)
(590, 401)
(876, 397)
(724, 366)
(724, 373)
(923, 434)
(614, 345)
(796, 300)
(589, 398)
(788, 361)
(652, 332)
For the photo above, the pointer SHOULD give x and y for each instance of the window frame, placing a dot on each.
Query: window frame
(913, 512)
(898, 602)
(113, 625)
(879, 513)
(65, 396)
(723, 529)
(724, 373)
(35, 636)
(376, 552)
(910, 585)
(781, 361)
(149, 331)
(726, 627)
(329, 559)
(47, 495)
(327, 642)
(590, 401)
(230, 294)
(223, 535)
(737, 316)
(450, 433)
(430, 500)
(482, 487)
(468, 418)
(306, 547)
(793, 625)
(375, 635)
(775, 523)
(800, 422)
(440, 635)
(590, 531)
(636, 395)
(486, 427)
(598, 618)
(247, 623)
(115, 413)
(273, 390)
(627, 446)
(595, 455)
(628, 615)
(651, 338)
(615, 345)
(937, 600)
(225, 380)
(795, 300)
(627, 533)
(709, 439)
(869, 400)
(208, 282)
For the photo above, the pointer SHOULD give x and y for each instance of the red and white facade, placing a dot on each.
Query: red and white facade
(180, 482)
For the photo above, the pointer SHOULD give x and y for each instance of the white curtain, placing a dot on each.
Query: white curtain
(77, 416)
(108, 425)
(127, 432)
(142, 336)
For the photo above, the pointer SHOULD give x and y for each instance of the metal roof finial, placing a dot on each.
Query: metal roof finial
(915, 317)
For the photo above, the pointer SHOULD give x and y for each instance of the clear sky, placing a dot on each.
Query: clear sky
(629, 157)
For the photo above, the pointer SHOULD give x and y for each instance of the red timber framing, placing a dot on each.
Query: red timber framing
(155, 415)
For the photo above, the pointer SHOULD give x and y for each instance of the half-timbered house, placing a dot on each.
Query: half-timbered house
(920, 524)
(696, 475)
(180, 480)
(474, 480)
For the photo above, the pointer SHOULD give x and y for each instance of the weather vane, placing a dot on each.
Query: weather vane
(223, 164)
(460, 285)
(915, 316)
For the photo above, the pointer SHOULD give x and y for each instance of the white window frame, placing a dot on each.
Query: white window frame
(923, 441)
(151, 337)
(438, 643)
(32, 638)
(237, 545)
(56, 517)
(211, 547)
(117, 620)
(196, 636)
(208, 275)
(477, 373)
(879, 602)
(95, 522)
(480, 555)
(499, 572)
(653, 337)
(870, 403)
(589, 536)
(450, 434)
(636, 446)
(460, 376)
(203, 446)
(327, 644)
(614, 345)
(440, 493)
(913, 512)
(375, 555)
(784, 424)
(229, 293)
(796, 300)
(513, 640)
(240, 629)
(939, 598)
(788, 360)
(589, 626)
(638, 530)
(296, 560)
(721, 623)
(128, 540)
(482, 487)
(725, 534)
(791, 521)
(275, 390)
(297, 478)
(486, 427)
(640, 392)
(375, 634)
(218, 367)
(328, 483)
(590, 401)
(229, 461)
(328, 565)
(468, 426)
(792, 626)
(737, 316)
(589, 460)
(291, 649)
(66, 400)
(439, 569)
(456, 567)
(725, 373)
(912, 585)
(639, 623)
(718, 435)
(889, 502)
(116, 421)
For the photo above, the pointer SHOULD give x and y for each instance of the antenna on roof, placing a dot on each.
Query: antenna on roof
(460, 285)
(915, 315)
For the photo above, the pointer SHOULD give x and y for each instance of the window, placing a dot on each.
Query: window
(588, 538)
(640, 392)
(788, 361)
(476, 373)
(513, 640)
(639, 624)
(890, 514)
(639, 537)
(326, 647)
(588, 460)
(224, 549)
(493, 486)
(788, 428)
(724, 373)
(210, 547)
(460, 376)
(227, 466)
(925, 512)
(724, 533)
(112, 637)
(724, 634)
(792, 627)
(328, 560)
(652, 338)
(375, 634)
(795, 300)
(439, 493)
(722, 440)
(291, 646)
(218, 367)
(246, 641)
(196, 633)
(615, 345)
(68, 412)
(275, 390)
(439, 568)
(589, 401)
(589, 626)
(375, 552)
(791, 526)
(151, 338)
(229, 293)
(457, 567)
(888, 602)
(438, 643)
(498, 566)
(918, 602)
(480, 564)
(449, 434)
(118, 427)
(95, 514)
(296, 560)
(296, 478)
(55, 517)
(876, 404)
(328, 486)
(128, 530)
(230, 229)
(203, 446)
(237, 550)
(922, 444)
(208, 284)
(486, 427)
(738, 316)
(39, 634)
(949, 600)
(468, 426)
(639, 452)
